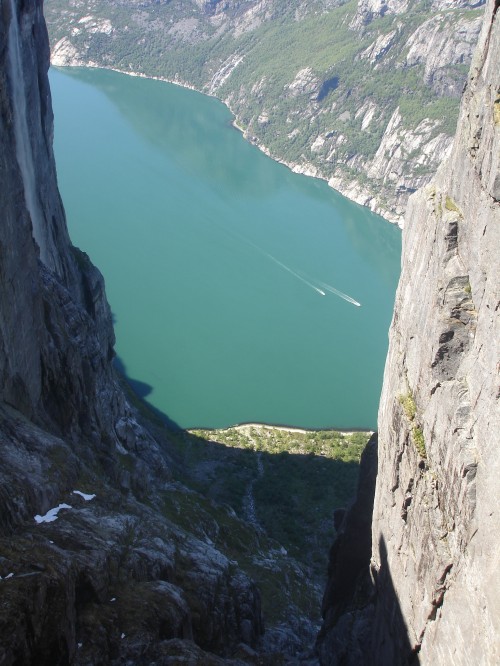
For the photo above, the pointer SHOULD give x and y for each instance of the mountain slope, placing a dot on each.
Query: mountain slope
(364, 94)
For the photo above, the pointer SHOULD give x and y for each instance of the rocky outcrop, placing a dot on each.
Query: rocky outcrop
(368, 10)
(388, 166)
(435, 546)
(439, 43)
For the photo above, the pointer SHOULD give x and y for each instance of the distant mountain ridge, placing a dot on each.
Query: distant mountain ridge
(362, 93)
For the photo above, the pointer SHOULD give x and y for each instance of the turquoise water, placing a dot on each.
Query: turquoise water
(216, 259)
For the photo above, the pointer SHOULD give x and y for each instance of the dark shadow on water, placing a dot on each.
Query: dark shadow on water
(141, 390)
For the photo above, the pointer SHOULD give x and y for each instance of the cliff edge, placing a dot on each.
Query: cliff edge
(435, 563)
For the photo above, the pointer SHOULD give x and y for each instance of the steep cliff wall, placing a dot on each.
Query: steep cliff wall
(439, 416)
(56, 335)
(110, 572)
(435, 560)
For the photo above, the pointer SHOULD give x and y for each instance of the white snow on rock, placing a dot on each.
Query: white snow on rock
(51, 515)
(86, 497)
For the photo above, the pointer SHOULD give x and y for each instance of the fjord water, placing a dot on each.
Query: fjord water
(218, 261)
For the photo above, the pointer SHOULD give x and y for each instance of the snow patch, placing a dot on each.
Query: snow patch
(11, 575)
(86, 497)
(51, 515)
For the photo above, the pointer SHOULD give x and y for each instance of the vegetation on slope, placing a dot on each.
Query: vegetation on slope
(300, 79)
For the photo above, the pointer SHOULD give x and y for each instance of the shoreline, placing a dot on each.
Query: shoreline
(282, 427)
(304, 170)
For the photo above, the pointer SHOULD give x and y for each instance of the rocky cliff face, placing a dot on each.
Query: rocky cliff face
(435, 548)
(109, 572)
(368, 10)
(56, 335)
(439, 413)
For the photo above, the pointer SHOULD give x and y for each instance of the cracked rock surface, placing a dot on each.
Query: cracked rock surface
(430, 593)
(444, 344)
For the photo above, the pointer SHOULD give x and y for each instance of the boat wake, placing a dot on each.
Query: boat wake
(346, 297)
(277, 262)
(317, 285)
(294, 273)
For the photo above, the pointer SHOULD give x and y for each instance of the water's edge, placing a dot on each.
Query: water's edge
(294, 167)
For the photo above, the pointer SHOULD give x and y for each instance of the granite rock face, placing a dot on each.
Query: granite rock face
(368, 10)
(435, 558)
(440, 42)
(439, 468)
(56, 324)
(103, 575)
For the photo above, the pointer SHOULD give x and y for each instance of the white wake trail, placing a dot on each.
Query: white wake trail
(346, 297)
(292, 272)
(277, 262)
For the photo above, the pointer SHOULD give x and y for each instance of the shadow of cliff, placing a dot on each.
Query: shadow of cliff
(141, 390)
(391, 639)
(280, 482)
(289, 496)
(351, 551)
(363, 623)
